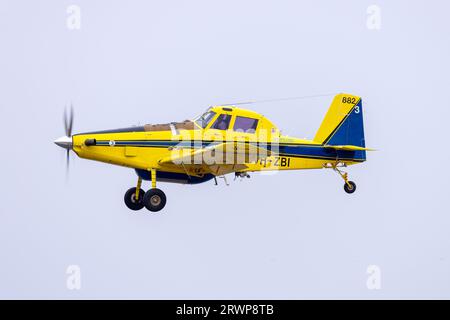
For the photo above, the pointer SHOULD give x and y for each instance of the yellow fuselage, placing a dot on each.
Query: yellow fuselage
(144, 147)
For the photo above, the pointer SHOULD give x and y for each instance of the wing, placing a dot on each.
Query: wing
(216, 158)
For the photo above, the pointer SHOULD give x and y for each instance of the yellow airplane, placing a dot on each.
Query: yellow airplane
(224, 139)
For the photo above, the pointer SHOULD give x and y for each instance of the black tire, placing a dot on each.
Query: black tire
(154, 200)
(350, 187)
(130, 199)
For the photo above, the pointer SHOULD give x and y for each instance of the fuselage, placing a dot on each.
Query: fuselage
(143, 147)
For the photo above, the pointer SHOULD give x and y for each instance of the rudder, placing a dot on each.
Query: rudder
(343, 123)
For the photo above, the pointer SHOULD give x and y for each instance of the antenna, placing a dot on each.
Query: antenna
(278, 99)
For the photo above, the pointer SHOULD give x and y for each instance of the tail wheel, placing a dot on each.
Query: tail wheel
(154, 200)
(350, 187)
(130, 199)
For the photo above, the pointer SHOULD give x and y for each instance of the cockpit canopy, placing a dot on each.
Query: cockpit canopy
(235, 119)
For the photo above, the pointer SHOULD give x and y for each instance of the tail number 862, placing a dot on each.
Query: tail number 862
(275, 161)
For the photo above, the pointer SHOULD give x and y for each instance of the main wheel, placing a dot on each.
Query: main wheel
(350, 187)
(154, 200)
(130, 199)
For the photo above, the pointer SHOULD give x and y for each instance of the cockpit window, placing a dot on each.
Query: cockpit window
(222, 122)
(205, 118)
(245, 124)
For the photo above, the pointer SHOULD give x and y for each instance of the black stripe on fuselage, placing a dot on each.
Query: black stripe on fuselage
(121, 130)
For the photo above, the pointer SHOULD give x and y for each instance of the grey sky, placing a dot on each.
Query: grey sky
(288, 235)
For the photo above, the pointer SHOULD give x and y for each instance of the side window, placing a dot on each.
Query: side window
(222, 122)
(245, 124)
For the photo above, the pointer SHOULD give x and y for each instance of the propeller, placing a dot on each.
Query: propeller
(66, 141)
(68, 122)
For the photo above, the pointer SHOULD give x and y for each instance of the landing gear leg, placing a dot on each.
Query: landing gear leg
(349, 186)
(154, 199)
(153, 178)
(134, 196)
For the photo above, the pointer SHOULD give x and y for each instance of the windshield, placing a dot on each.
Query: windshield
(205, 118)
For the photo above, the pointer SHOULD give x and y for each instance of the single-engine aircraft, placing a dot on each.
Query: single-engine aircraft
(225, 139)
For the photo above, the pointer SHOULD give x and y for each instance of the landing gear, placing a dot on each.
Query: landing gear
(134, 196)
(154, 199)
(133, 202)
(349, 186)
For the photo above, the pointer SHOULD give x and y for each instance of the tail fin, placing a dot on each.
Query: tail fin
(343, 123)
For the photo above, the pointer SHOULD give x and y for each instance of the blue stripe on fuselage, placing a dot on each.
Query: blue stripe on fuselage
(288, 150)
(320, 152)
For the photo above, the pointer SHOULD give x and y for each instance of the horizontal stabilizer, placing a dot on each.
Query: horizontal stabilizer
(349, 148)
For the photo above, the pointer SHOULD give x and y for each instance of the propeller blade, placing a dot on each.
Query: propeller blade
(67, 161)
(68, 121)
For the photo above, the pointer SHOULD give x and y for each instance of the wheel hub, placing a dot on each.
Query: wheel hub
(155, 200)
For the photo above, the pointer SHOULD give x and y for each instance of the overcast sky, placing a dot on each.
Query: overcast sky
(287, 235)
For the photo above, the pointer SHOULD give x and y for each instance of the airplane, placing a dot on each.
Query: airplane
(224, 139)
